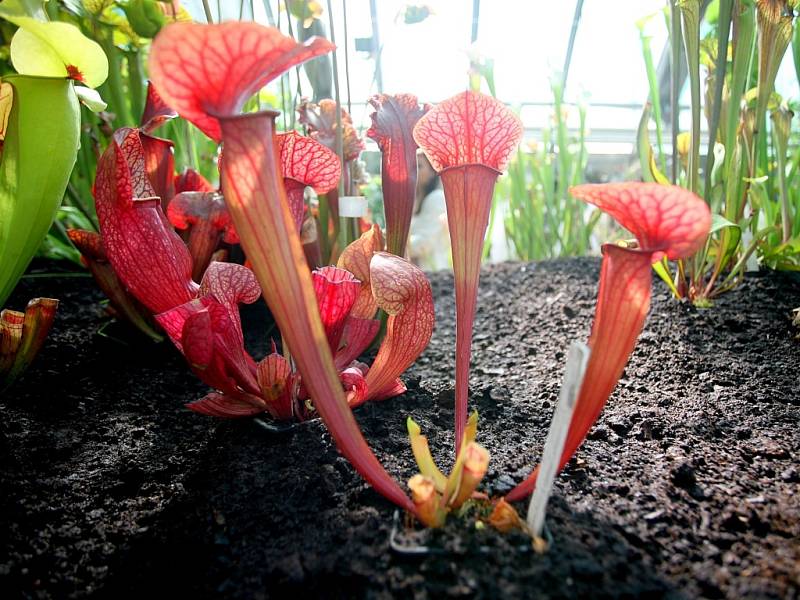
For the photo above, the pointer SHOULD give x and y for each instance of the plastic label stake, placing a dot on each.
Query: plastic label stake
(577, 357)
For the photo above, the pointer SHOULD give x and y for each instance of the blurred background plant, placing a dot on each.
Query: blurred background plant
(746, 165)
(541, 219)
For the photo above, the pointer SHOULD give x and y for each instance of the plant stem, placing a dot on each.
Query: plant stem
(346, 56)
(77, 202)
(339, 141)
(655, 96)
(207, 10)
(723, 32)
(573, 32)
(690, 13)
(743, 46)
(674, 91)
(113, 84)
(299, 91)
(136, 83)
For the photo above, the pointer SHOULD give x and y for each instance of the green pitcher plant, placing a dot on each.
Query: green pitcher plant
(40, 129)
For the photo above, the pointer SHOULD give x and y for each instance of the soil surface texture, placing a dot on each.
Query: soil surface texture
(688, 485)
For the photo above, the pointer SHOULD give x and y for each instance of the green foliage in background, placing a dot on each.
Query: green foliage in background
(749, 174)
(541, 219)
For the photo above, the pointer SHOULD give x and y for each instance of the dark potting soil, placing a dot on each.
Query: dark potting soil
(688, 485)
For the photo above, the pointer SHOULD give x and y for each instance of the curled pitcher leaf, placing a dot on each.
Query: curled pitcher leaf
(306, 163)
(474, 466)
(468, 139)
(93, 256)
(356, 258)
(212, 341)
(208, 222)
(504, 517)
(403, 291)
(667, 221)
(336, 291)
(320, 120)
(277, 381)
(427, 501)
(144, 250)
(362, 327)
(357, 336)
(393, 120)
(230, 284)
(22, 336)
(354, 383)
(156, 111)
(207, 330)
(159, 165)
(775, 28)
(208, 71)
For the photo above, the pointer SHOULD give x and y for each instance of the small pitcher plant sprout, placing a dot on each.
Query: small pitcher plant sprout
(435, 494)
(22, 336)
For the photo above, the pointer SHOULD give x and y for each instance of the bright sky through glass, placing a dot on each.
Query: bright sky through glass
(527, 40)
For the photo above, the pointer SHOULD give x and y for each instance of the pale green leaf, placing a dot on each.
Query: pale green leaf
(90, 98)
(719, 222)
(52, 49)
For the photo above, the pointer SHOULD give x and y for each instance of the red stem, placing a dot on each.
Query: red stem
(253, 190)
(468, 193)
(622, 305)
(295, 194)
(204, 237)
(399, 182)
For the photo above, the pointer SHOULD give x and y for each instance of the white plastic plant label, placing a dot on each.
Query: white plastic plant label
(577, 358)
(352, 206)
(751, 266)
